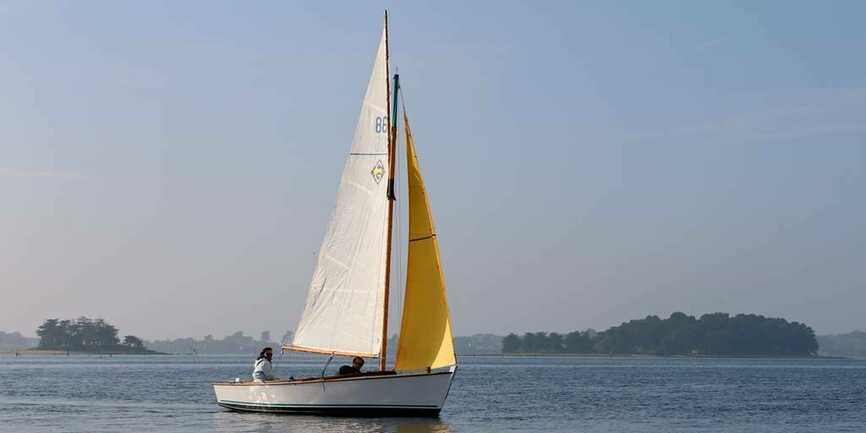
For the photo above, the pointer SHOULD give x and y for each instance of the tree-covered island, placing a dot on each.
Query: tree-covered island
(87, 335)
(716, 334)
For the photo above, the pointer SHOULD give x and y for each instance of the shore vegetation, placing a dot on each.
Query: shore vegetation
(716, 334)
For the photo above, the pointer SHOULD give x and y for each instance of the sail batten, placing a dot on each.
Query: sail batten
(345, 301)
(426, 339)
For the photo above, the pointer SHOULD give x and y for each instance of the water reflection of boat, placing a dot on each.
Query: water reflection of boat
(227, 422)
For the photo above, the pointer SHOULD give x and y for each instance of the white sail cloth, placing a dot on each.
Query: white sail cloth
(345, 304)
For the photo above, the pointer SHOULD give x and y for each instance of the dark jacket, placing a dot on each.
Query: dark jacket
(349, 370)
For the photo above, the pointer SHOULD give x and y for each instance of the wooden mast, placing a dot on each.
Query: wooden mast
(392, 125)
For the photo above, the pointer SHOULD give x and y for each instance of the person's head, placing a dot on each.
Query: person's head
(267, 352)
(357, 362)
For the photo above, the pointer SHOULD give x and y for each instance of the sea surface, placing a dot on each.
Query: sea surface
(489, 394)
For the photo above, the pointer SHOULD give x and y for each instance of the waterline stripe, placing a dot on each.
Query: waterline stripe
(241, 403)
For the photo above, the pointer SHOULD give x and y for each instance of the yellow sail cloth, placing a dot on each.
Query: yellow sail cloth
(426, 340)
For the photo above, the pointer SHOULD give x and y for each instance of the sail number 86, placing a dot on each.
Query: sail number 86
(381, 124)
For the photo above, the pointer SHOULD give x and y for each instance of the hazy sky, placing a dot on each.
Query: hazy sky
(170, 166)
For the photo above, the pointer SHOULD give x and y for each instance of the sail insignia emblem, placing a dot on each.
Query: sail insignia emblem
(378, 171)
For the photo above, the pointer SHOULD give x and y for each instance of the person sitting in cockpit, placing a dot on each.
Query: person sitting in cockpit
(262, 367)
(355, 368)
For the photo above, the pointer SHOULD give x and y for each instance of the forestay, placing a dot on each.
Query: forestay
(345, 305)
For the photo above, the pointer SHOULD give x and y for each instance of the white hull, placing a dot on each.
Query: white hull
(392, 394)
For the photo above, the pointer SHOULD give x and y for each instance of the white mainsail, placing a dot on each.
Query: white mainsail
(345, 304)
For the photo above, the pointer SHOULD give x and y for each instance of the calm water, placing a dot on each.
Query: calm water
(172, 394)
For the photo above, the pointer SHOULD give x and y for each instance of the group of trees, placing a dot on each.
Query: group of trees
(98, 336)
(12, 341)
(234, 343)
(85, 335)
(478, 344)
(852, 344)
(542, 342)
(711, 334)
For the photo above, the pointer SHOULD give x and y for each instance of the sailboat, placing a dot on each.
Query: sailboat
(347, 304)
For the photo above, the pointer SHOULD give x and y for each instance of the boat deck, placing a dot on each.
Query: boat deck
(370, 375)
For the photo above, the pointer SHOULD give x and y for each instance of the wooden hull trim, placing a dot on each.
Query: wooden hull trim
(385, 375)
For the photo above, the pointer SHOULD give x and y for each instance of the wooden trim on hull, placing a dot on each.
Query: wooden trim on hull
(366, 376)
(334, 410)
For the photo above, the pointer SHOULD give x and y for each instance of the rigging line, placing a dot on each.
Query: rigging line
(326, 364)
(282, 350)
(402, 96)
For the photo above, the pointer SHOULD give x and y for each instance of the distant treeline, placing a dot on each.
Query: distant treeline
(478, 344)
(711, 334)
(852, 344)
(86, 335)
(234, 343)
(11, 341)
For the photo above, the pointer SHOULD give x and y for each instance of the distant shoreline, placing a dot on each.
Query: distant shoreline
(55, 352)
(644, 355)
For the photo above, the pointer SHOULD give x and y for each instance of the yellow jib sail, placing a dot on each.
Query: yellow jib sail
(425, 333)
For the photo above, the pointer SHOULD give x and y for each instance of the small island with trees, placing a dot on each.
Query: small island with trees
(85, 335)
(716, 334)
